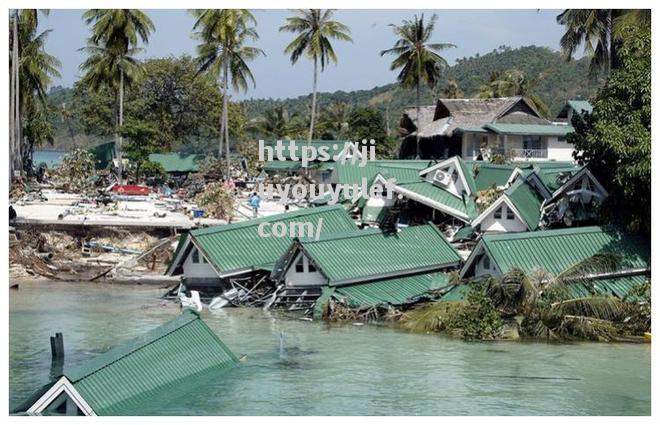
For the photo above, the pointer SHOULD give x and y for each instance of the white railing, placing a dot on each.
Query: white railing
(520, 153)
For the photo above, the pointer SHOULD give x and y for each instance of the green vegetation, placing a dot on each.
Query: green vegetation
(315, 28)
(615, 140)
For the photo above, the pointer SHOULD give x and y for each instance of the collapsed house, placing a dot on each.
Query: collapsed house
(213, 256)
(555, 251)
(153, 366)
(483, 128)
(388, 267)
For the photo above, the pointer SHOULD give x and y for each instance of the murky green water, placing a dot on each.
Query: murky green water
(324, 370)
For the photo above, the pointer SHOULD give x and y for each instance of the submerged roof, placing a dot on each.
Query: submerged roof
(367, 255)
(238, 247)
(173, 162)
(395, 291)
(556, 250)
(118, 381)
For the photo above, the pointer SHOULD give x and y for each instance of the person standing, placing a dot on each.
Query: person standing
(254, 202)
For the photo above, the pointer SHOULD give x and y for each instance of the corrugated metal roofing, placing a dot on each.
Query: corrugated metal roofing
(469, 175)
(531, 129)
(616, 286)
(117, 381)
(173, 162)
(527, 201)
(401, 170)
(556, 250)
(550, 177)
(282, 165)
(489, 175)
(238, 246)
(395, 291)
(438, 195)
(371, 254)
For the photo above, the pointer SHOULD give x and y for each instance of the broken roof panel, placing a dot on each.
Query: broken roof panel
(238, 247)
(429, 194)
(367, 255)
(395, 291)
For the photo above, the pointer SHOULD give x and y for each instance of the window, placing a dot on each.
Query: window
(509, 214)
(498, 213)
(532, 142)
(300, 268)
(310, 267)
(486, 262)
(561, 139)
(195, 256)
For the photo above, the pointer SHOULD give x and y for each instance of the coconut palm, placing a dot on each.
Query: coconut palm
(417, 57)
(315, 29)
(600, 31)
(223, 54)
(514, 82)
(335, 119)
(29, 82)
(452, 90)
(278, 124)
(112, 46)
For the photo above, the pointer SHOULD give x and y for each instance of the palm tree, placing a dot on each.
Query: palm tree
(224, 55)
(111, 48)
(418, 58)
(514, 82)
(600, 31)
(336, 117)
(29, 83)
(315, 29)
(278, 124)
(452, 90)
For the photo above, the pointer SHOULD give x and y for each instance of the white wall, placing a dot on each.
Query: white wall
(480, 268)
(196, 270)
(492, 224)
(560, 151)
(456, 185)
(292, 278)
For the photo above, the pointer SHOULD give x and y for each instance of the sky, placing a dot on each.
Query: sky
(359, 66)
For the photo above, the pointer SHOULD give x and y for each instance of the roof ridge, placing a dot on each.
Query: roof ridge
(542, 233)
(186, 317)
(256, 221)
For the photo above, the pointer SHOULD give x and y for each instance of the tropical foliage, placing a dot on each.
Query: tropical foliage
(615, 140)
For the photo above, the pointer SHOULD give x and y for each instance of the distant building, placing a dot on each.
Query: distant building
(571, 108)
(177, 165)
(482, 128)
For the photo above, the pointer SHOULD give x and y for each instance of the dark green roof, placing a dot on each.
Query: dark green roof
(558, 130)
(527, 201)
(367, 255)
(469, 175)
(238, 246)
(556, 250)
(489, 175)
(615, 286)
(176, 162)
(119, 380)
(395, 291)
(401, 170)
(103, 155)
(276, 165)
(550, 177)
(428, 193)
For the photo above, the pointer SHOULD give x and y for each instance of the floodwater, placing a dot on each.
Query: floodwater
(296, 367)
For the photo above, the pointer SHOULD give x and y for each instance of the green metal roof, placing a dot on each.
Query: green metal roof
(436, 194)
(236, 247)
(556, 250)
(394, 291)
(103, 153)
(580, 106)
(119, 380)
(550, 176)
(282, 165)
(616, 286)
(488, 175)
(176, 162)
(374, 214)
(365, 255)
(457, 293)
(401, 170)
(469, 175)
(527, 201)
(531, 129)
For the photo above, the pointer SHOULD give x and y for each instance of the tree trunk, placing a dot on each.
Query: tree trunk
(419, 82)
(615, 44)
(222, 116)
(118, 135)
(12, 127)
(225, 118)
(18, 142)
(311, 121)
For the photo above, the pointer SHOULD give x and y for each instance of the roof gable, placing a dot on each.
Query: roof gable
(527, 202)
